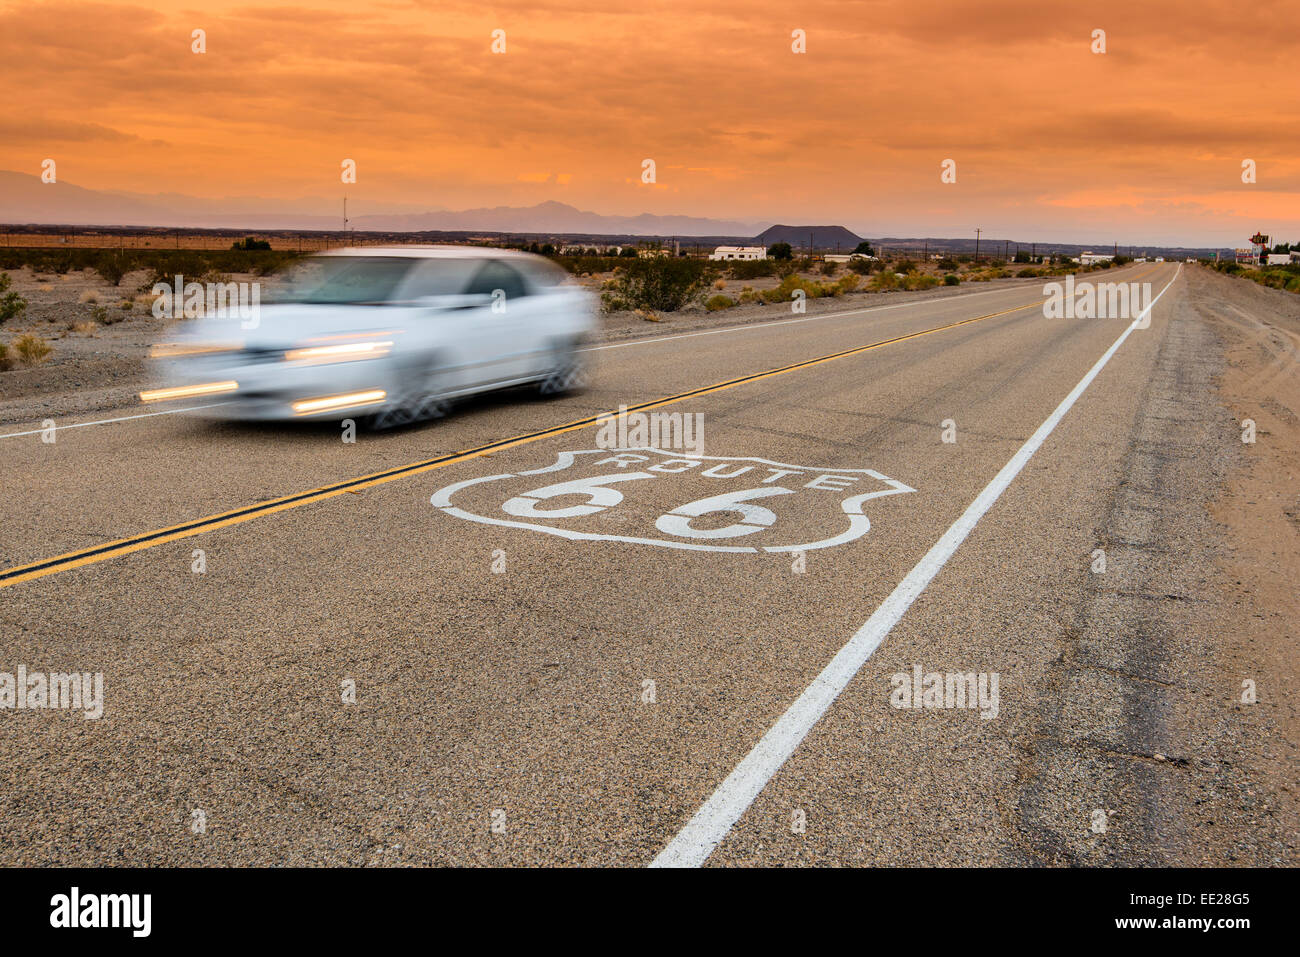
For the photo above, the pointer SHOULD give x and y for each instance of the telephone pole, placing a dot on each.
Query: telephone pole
(977, 244)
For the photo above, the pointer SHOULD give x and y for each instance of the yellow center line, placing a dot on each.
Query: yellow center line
(135, 543)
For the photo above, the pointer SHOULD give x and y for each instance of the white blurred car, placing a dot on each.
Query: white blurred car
(388, 333)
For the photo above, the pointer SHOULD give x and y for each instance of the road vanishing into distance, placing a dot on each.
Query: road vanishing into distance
(491, 639)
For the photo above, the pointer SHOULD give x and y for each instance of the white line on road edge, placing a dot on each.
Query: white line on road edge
(121, 418)
(711, 823)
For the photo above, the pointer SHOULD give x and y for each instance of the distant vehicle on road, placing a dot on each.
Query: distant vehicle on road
(388, 333)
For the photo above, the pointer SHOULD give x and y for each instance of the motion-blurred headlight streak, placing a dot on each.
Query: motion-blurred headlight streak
(342, 352)
(188, 391)
(330, 403)
(169, 350)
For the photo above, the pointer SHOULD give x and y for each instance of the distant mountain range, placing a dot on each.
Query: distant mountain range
(24, 199)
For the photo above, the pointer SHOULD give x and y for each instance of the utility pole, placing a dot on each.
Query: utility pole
(977, 244)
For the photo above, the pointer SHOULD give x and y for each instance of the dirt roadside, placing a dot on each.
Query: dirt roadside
(1259, 509)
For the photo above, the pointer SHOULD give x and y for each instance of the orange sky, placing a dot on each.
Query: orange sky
(1052, 142)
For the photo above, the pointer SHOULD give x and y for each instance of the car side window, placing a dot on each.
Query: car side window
(497, 275)
(437, 277)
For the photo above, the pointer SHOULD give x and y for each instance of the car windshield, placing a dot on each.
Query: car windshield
(347, 280)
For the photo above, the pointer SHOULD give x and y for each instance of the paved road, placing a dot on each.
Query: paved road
(534, 689)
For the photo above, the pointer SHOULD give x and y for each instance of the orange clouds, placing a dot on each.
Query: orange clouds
(1051, 141)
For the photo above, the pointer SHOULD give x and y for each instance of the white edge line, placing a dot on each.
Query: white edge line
(712, 822)
(122, 418)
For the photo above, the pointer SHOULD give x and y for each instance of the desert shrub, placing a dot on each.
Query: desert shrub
(947, 263)
(112, 267)
(661, 283)
(864, 267)
(11, 304)
(847, 283)
(783, 292)
(101, 315)
(752, 268)
(905, 265)
(126, 305)
(884, 281)
(249, 243)
(780, 251)
(1276, 277)
(719, 284)
(715, 303)
(828, 268)
(916, 280)
(31, 350)
(951, 280)
(589, 263)
(5, 359)
(89, 296)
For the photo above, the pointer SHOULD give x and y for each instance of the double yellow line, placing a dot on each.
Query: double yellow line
(125, 546)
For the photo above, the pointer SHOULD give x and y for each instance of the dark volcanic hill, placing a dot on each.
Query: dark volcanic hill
(822, 237)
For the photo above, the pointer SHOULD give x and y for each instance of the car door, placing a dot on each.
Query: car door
(506, 322)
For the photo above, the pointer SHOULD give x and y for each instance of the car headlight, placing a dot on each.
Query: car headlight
(341, 352)
(168, 350)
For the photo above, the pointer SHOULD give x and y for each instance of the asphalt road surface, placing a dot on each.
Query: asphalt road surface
(431, 666)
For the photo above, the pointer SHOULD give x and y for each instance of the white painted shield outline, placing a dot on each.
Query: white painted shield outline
(859, 524)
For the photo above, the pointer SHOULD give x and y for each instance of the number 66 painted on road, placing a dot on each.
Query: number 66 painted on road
(841, 520)
(677, 522)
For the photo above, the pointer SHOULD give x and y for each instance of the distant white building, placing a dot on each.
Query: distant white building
(739, 252)
(579, 249)
(1281, 259)
(1089, 258)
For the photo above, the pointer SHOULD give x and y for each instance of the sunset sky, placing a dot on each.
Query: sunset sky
(1143, 144)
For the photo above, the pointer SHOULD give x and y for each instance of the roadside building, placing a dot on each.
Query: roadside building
(739, 252)
(1090, 258)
